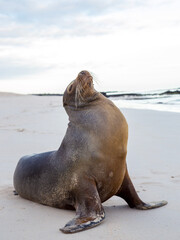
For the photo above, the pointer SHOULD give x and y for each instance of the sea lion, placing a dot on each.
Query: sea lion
(90, 165)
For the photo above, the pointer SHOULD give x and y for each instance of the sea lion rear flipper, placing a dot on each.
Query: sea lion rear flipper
(89, 211)
(151, 205)
(129, 194)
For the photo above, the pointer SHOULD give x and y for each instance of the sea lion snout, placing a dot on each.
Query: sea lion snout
(85, 79)
(84, 72)
(84, 75)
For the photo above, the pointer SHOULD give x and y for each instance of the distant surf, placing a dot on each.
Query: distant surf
(161, 100)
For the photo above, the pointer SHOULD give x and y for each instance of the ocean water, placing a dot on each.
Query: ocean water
(160, 100)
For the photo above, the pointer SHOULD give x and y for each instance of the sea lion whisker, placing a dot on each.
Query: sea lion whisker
(95, 78)
(78, 95)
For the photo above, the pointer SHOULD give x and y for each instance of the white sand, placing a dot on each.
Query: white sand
(30, 124)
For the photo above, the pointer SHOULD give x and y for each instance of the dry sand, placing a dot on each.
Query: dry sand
(31, 124)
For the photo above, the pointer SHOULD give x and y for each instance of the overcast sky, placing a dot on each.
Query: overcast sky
(128, 45)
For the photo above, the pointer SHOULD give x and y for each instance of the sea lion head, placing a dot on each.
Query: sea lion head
(80, 92)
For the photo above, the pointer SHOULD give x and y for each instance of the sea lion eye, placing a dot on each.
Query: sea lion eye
(70, 88)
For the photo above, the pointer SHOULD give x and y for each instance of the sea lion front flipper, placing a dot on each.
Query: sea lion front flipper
(89, 210)
(129, 194)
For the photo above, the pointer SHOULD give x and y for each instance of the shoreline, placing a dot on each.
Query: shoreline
(121, 103)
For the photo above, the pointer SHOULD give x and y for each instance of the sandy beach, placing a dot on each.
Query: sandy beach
(32, 124)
